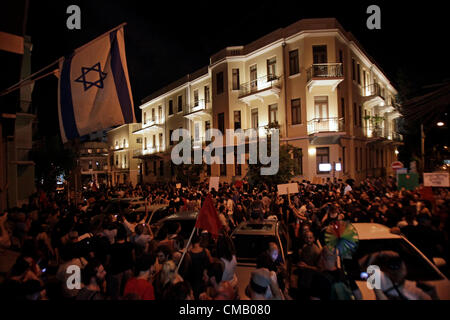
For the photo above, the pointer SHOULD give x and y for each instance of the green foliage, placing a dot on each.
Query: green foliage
(285, 172)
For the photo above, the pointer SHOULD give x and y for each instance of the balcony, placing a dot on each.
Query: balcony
(320, 125)
(200, 110)
(382, 134)
(324, 74)
(372, 96)
(156, 125)
(148, 152)
(259, 88)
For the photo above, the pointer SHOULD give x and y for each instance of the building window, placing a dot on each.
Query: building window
(341, 58)
(271, 69)
(180, 103)
(170, 137)
(161, 168)
(221, 122)
(360, 115)
(207, 99)
(197, 131)
(358, 73)
(138, 140)
(145, 143)
(298, 163)
(195, 98)
(253, 78)
(321, 107)
(154, 168)
(320, 54)
(219, 84)
(145, 117)
(237, 119)
(170, 107)
(117, 161)
(322, 156)
(207, 127)
(237, 166)
(353, 70)
(153, 114)
(236, 84)
(160, 140)
(154, 141)
(293, 62)
(255, 124)
(125, 161)
(273, 113)
(160, 116)
(124, 143)
(355, 115)
(90, 164)
(223, 169)
(343, 109)
(296, 111)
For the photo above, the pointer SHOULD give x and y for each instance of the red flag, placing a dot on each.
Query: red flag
(208, 218)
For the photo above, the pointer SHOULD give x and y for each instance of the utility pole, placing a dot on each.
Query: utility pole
(422, 147)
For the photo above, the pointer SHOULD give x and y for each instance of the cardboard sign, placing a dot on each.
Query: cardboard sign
(409, 181)
(287, 188)
(214, 183)
(178, 185)
(436, 179)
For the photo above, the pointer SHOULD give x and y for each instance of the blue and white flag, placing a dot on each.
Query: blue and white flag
(94, 90)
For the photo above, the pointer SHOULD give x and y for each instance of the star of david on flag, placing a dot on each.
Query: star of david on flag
(85, 72)
(94, 91)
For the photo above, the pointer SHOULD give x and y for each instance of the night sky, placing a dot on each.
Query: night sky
(165, 40)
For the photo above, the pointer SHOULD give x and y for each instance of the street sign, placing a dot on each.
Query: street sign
(409, 181)
(436, 179)
(397, 165)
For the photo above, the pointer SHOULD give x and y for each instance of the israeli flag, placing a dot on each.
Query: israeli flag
(94, 90)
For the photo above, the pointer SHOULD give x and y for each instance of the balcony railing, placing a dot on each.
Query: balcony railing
(324, 71)
(317, 125)
(198, 105)
(372, 90)
(259, 84)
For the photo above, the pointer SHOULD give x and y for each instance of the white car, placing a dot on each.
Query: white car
(251, 240)
(375, 237)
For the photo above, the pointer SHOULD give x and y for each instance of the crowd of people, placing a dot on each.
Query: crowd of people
(120, 256)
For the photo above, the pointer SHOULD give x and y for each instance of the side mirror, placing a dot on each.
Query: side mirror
(439, 262)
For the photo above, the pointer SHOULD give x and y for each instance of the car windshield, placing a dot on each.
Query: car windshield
(249, 247)
(418, 268)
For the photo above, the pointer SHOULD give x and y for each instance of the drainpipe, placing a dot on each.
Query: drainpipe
(285, 90)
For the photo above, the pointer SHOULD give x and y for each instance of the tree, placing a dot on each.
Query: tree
(285, 171)
(52, 160)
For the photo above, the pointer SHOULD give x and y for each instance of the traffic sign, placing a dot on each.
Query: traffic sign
(397, 165)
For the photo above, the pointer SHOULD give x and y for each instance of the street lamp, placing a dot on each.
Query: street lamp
(440, 124)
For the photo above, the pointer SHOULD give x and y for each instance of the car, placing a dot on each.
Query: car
(375, 237)
(186, 219)
(250, 240)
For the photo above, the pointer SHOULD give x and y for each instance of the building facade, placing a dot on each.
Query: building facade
(123, 146)
(312, 80)
(92, 163)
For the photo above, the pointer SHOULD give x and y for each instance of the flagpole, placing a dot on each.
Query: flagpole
(185, 249)
(20, 83)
